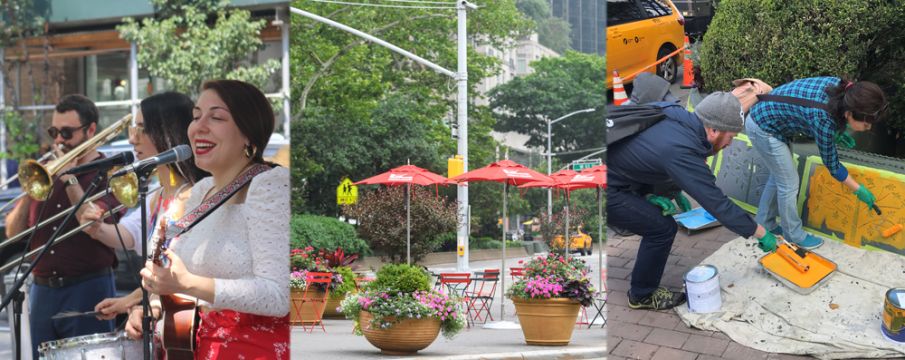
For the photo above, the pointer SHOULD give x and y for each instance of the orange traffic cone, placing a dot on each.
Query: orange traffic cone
(619, 96)
(688, 67)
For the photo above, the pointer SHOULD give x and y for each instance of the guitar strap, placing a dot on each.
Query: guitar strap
(212, 203)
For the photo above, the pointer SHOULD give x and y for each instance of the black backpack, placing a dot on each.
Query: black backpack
(624, 121)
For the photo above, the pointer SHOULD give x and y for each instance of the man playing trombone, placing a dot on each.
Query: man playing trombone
(74, 274)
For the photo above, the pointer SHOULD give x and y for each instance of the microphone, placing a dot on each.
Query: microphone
(176, 154)
(121, 159)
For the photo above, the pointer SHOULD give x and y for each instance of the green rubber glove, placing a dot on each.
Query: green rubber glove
(844, 139)
(682, 201)
(663, 203)
(866, 196)
(767, 243)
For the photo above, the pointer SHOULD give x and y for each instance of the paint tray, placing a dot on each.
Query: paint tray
(697, 219)
(820, 269)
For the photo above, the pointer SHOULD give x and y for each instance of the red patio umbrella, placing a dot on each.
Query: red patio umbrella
(507, 172)
(594, 177)
(407, 175)
(560, 180)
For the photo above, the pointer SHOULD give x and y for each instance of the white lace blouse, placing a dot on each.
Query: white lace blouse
(243, 247)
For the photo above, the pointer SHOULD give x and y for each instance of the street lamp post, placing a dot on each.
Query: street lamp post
(550, 154)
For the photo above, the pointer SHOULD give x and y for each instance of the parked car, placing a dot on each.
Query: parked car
(697, 14)
(580, 242)
(639, 32)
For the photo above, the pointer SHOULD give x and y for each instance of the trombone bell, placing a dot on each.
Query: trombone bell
(35, 180)
(124, 188)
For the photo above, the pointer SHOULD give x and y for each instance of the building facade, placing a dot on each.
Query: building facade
(588, 21)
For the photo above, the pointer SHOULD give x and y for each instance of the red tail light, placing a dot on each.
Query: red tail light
(681, 19)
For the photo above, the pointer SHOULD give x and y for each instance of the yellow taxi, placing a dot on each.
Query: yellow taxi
(638, 33)
(580, 242)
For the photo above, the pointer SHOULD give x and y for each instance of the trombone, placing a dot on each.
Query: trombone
(37, 179)
(9, 180)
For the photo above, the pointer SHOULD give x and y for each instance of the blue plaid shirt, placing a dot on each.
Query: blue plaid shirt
(786, 120)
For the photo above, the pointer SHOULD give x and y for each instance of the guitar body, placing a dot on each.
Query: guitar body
(180, 318)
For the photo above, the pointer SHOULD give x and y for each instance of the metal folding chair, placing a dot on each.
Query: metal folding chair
(456, 284)
(483, 289)
(315, 281)
(600, 302)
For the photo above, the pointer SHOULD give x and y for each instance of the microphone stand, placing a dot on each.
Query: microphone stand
(146, 331)
(16, 293)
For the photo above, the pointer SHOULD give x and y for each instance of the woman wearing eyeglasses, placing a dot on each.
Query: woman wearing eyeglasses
(770, 125)
(161, 124)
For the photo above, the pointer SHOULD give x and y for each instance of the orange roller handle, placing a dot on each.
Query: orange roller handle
(892, 230)
(789, 255)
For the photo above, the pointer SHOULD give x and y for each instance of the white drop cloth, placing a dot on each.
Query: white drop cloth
(760, 312)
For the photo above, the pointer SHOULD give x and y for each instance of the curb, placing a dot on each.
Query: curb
(565, 354)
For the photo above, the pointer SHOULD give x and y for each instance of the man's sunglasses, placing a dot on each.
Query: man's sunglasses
(66, 131)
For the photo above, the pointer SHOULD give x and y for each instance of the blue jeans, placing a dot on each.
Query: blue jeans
(780, 196)
(45, 302)
(630, 211)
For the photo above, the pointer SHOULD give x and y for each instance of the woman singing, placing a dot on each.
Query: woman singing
(235, 260)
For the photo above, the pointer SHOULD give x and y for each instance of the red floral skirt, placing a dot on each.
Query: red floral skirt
(228, 334)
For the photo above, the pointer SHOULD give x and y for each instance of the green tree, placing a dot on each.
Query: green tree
(194, 41)
(557, 87)
(362, 109)
(552, 32)
(20, 20)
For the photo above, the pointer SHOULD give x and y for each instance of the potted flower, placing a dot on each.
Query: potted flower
(343, 278)
(304, 261)
(548, 297)
(399, 314)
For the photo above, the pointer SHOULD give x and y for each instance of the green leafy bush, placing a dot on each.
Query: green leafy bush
(321, 232)
(401, 278)
(779, 41)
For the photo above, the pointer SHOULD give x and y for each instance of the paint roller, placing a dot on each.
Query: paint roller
(794, 255)
(890, 231)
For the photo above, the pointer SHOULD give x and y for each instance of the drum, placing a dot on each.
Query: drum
(113, 345)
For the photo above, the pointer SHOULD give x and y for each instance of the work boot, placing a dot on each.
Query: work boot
(660, 299)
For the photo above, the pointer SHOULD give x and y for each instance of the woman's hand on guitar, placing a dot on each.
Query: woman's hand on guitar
(166, 280)
(108, 308)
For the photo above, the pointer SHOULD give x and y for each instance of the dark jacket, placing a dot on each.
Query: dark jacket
(674, 150)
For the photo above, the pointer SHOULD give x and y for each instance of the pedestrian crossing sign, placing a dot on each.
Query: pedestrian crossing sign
(346, 193)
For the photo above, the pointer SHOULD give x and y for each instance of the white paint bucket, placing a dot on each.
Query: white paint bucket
(702, 285)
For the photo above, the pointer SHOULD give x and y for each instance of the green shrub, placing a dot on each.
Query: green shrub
(400, 278)
(321, 232)
(484, 242)
(780, 41)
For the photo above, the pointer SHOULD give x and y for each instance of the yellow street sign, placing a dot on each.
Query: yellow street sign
(346, 193)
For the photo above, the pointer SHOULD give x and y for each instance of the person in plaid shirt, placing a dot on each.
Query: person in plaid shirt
(771, 124)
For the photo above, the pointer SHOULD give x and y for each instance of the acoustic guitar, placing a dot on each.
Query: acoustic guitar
(180, 312)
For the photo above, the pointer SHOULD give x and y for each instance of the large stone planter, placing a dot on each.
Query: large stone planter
(403, 338)
(333, 303)
(305, 312)
(547, 322)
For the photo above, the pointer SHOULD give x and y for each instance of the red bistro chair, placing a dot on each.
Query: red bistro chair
(482, 293)
(317, 303)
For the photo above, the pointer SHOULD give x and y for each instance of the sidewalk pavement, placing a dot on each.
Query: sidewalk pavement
(646, 334)
(339, 343)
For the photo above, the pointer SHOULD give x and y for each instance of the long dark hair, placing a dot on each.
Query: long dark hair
(864, 99)
(250, 110)
(167, 118)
